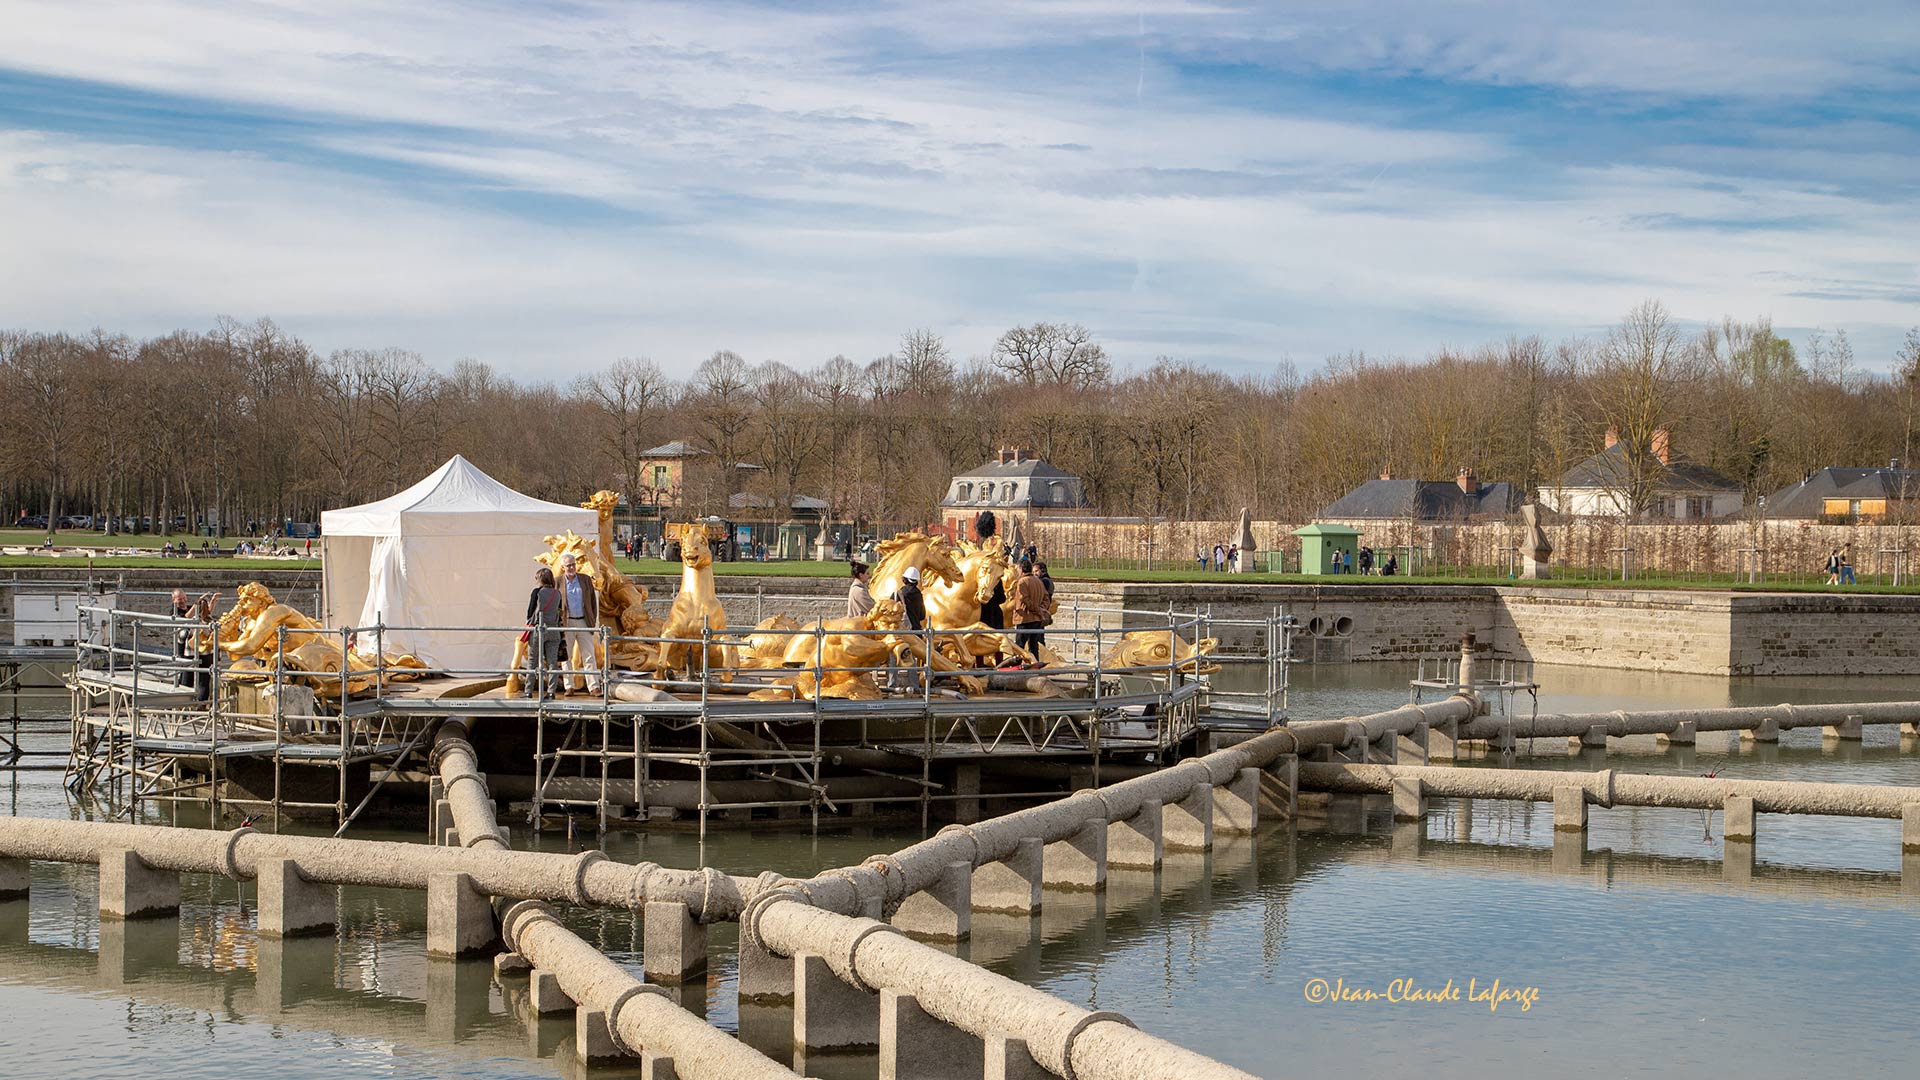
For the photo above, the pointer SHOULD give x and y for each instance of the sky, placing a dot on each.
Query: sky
(549, 186)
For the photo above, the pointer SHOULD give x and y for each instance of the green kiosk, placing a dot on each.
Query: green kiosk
(1318, 543)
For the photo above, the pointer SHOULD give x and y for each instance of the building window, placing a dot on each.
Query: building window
(966, 493)
(1853, 507)
(1699, 506)
(1057, 492)
(660, 476)
(1006, 492)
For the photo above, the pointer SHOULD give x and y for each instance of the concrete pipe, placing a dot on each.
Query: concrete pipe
(1666, 721)
(1610, 788)
(1069, 1041)
(642, 1016)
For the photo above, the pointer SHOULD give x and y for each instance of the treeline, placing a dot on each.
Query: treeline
(249, 423)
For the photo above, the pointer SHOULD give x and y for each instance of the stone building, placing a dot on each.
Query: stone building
(1847, 495)
(1674, 488)
(1458, 501)
(1018, 486)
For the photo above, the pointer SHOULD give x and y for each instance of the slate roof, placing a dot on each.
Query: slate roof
(1425, 500)
(1806, 499)
(678, 448)
(1031, 467)
(1607, 469)
(747, 500)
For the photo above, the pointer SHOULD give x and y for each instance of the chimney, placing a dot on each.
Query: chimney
(1386, 473)
(1468, 482)
(1613, 436)
(1663, 446)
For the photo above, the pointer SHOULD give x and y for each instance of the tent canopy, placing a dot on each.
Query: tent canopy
(456, 549)
(457, 499)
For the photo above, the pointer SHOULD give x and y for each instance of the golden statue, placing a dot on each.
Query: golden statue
(695, 608)
(622, 600)
(250, 634)
(864, 641)
(1158, 648)
(941, 578)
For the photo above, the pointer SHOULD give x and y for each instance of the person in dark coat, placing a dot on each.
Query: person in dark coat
(544, 621)
(993, 612)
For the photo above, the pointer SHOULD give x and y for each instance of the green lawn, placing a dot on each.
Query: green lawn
(89, 538)
(838, 569)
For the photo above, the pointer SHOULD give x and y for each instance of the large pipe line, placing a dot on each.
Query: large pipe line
(1621, 723)
(638, 1015)
(1609, 788)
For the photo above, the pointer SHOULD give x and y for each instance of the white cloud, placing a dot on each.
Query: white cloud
(794, 184)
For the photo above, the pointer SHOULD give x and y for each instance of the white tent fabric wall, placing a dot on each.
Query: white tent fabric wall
(454, 550)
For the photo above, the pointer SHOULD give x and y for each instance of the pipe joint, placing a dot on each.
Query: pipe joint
(613, 1013)
(577, 892)
(229, 852)
(1066, 1044)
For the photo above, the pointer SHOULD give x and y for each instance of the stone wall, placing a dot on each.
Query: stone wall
(1786, 634)
(1707, 633)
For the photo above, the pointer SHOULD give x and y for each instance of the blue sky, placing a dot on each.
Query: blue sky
(549, 186)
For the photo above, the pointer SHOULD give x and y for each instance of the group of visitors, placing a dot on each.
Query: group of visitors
(561, 616)
(1226, 558)
(1030, 607)
(1366, 560)
(1840, 566)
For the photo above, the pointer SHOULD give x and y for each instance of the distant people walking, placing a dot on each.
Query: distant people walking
(1846, 566)
(1201, 558)
(1833, 567)
(1366, 561)
(1233, 557)
(544, 635)
(1030, 609)
(1336, 560)
(1219, 558)
(859, 598)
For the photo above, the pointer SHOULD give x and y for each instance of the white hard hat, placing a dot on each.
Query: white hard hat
(912, 573)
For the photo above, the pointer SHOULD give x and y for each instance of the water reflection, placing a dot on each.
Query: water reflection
(1654, 943)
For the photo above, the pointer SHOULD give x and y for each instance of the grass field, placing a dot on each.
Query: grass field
(838, 569)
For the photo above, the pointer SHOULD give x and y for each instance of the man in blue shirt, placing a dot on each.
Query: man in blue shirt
(581, 605)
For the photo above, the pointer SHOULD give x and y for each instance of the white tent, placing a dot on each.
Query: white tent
(455, 549)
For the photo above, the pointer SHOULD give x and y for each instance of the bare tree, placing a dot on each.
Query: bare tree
(1060, 354)
(626, 397)
(1635, 386)
(724, 409)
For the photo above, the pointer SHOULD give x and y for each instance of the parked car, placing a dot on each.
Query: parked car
(77, 521)
(31, 521)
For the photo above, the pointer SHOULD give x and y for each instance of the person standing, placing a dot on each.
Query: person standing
(1045, 579)
(581, 604)
(1030, 614)
(1219, 558)
(993, 612)
(915, 603)
(544, 635)
(859, 597)
(1846, 566)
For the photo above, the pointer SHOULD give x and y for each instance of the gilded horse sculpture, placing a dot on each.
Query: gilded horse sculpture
(251, 633)
(695, 609)
(622, 601)
(835, 645)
